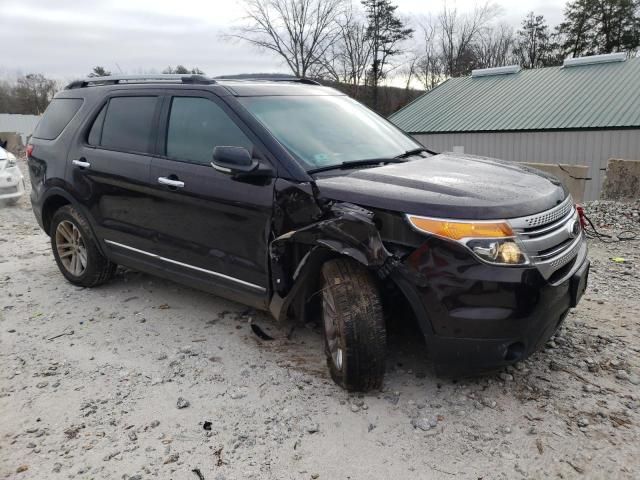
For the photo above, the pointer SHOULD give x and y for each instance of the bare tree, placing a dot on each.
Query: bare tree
(299, 31)
(357, 49)
(409, 69)
(428, 70)
(33, 93)
(458, 34)
(349, 55)
(494, 47)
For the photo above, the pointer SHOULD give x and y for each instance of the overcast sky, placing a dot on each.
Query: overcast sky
(67, 38)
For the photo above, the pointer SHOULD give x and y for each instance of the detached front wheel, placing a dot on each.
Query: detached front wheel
(354, 329)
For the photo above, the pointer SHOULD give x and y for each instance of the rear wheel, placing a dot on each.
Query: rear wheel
(354, 329)
(75, 249)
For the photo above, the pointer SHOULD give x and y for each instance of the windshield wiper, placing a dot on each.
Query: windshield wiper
(356, 163)
(415, 151)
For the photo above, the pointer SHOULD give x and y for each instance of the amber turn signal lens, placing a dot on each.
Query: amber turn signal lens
(459, 230)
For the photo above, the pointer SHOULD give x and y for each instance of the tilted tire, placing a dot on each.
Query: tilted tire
(354, 329)
(75, 250)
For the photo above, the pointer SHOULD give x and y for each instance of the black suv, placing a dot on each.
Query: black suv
(293, 198)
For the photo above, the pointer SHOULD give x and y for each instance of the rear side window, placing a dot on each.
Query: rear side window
(196, 126)
(57, 116)
(128, 124)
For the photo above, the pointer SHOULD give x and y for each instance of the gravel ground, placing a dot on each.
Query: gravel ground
(144, 378)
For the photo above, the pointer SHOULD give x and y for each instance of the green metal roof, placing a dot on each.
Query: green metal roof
(605, 95)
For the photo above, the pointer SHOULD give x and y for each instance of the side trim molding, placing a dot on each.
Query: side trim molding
(186, 265)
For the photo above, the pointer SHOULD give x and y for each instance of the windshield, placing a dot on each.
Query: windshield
(328, 130)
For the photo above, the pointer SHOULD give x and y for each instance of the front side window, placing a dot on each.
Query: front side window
(323, 131)
(128, 124)
(196, 126)
(57, 116)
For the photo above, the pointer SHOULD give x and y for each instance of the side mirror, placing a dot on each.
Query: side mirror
(233, 160)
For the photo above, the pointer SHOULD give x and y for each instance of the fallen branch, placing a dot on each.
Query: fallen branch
(441, 471)
(70, 332)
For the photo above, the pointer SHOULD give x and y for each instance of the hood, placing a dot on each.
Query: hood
(449, 185)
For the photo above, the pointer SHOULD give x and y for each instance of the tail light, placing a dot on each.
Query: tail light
(29, 150)
(582, 216)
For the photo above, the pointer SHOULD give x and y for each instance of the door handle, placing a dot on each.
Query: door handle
(81, 163)
(170, 182)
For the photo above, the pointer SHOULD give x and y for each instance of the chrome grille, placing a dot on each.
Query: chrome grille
(562, 260)
(549, 238)
(550, 215)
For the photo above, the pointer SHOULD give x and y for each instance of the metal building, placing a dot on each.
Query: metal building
(18, 123)
(582, 113)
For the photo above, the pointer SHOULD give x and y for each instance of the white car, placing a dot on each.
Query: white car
(11, 179)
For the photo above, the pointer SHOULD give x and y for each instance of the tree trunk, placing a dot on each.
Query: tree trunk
(374, 83)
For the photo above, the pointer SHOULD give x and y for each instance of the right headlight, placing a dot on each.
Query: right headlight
(11, 160)
(491, 241)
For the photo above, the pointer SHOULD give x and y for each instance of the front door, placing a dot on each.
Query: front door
(207, 223)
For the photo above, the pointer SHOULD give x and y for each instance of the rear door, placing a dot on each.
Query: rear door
(110, 167)
(208, 223)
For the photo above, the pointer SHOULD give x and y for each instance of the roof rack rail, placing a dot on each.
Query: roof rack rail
(128, 79)
(306, 81)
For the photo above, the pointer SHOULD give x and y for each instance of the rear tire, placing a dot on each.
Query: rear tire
(76, 251)
(354, 329)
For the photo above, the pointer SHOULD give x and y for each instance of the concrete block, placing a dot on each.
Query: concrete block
(14, 141)
(622, 181)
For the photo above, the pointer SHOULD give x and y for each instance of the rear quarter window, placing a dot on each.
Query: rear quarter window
(56, 117)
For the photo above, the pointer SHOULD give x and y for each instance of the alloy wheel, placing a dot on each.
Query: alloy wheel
(71, 248)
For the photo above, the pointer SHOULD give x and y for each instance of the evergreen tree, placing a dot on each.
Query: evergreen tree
(533, 45)
(385, 31)
(99, 71)
(600, 26)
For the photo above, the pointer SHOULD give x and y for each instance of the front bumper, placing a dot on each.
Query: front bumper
(477, 316)
(11, 184)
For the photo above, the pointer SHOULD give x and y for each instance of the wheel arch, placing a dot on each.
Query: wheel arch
(50, 206)
(57, 198)
(306, 283)
(297, 256)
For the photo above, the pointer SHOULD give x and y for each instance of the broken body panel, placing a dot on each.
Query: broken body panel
(474, 316)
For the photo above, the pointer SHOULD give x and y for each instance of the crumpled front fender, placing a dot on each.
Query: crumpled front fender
(344, 230)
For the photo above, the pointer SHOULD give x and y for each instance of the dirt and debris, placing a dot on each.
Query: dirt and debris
(198, 473)
(101, 403)
(614, 217)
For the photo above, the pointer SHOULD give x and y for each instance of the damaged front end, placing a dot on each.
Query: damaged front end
(315, 230)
